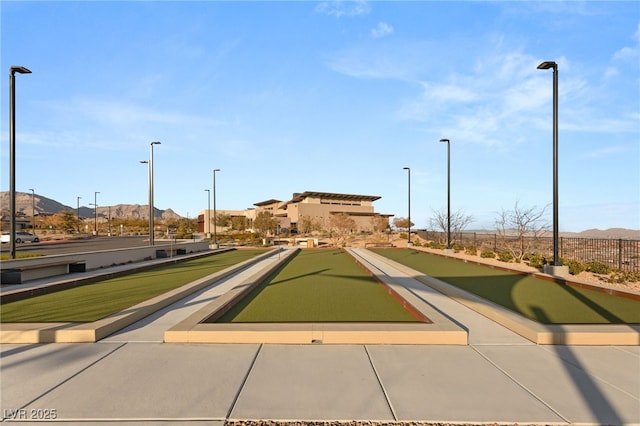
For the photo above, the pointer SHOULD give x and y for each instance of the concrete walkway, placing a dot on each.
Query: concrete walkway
(132, 377)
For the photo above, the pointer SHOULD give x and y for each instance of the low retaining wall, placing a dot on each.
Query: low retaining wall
(107, 258)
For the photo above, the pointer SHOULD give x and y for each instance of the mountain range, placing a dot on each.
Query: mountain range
(25, 203)
(47, 206)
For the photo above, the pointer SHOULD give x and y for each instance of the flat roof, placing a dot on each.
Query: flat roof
(331, 195)
(267, 202)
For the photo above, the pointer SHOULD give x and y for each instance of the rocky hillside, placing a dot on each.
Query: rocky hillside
(44, 205)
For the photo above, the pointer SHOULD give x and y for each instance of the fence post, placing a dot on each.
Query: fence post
(620, 254)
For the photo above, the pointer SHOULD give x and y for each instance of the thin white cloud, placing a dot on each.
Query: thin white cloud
(339, 8)
(381, 30)
(605, 152)
(630, 53)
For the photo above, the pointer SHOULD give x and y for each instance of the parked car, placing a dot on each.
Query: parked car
(21, 237)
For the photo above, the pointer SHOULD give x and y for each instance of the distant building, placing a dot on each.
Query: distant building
(306, 209)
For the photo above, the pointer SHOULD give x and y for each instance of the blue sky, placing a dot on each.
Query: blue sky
(288, 97)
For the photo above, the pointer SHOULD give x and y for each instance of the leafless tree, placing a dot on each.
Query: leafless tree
(341, 225)
(308, 224)
(379, 223)
(459, 221)
(520, 228)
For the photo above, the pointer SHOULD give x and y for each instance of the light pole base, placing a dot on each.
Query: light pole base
(559, 271)
(449, 251)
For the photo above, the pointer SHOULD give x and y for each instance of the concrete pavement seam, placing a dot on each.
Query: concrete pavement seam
(526, 389)
(71, 377)
(379, 379)
(244, 381)
(588, 373)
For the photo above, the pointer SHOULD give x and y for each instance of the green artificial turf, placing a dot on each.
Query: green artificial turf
(94, 301)
(535, 298)
(319, 286)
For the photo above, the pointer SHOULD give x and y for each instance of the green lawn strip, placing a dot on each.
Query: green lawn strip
(319, 286)
(534, 298)
(94, 301)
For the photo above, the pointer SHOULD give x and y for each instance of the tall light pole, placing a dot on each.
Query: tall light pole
(215, 219)
(545, 66)
(448, 191)
(12, 154)
(78, 211)
(95, 213)
(409, 198)
(207, 229)
(151, 207)
(33, 210)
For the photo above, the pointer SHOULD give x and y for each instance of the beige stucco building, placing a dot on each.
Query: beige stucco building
(307, 211)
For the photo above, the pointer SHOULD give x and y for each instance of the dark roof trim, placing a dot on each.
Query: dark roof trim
(267, 202)
(333, 196)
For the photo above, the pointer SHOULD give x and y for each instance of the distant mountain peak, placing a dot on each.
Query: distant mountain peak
(42, 205)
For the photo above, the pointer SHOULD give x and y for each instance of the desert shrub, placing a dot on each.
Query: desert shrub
(472, 250)
(575, 267)
(535, 260)
(436, 245)
(505, 256)
(402, 235)
(598, 267)
(621, 277)
(487, 254)
(417, 243)
(457, 247)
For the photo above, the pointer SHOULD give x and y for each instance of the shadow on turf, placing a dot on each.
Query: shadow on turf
(506, 284)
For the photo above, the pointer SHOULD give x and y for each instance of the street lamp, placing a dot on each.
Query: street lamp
(545, 66)
(409, 198)
(215, 219)
(78, 211)
(12, 154)
(33, 210)
(151, 207)
(95, 213)
(448, 191)
(207, 229)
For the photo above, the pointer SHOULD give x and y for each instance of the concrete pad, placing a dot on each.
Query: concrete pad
(612, 365)
(562, 377)
(31, 371)
(153, 382)
(312, 382)
(454, 384)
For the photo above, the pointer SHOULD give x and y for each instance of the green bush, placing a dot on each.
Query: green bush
(575, 267)
(436, 245)
(487, 254)
(505, 256)
(535, 260)
(598, 267)
(472, 250)
(624, 277)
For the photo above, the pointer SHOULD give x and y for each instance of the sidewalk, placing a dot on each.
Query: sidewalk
(132, 377)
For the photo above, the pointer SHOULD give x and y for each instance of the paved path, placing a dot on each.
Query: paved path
(499, 377)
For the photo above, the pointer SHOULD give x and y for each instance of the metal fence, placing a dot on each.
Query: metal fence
(620, 254)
